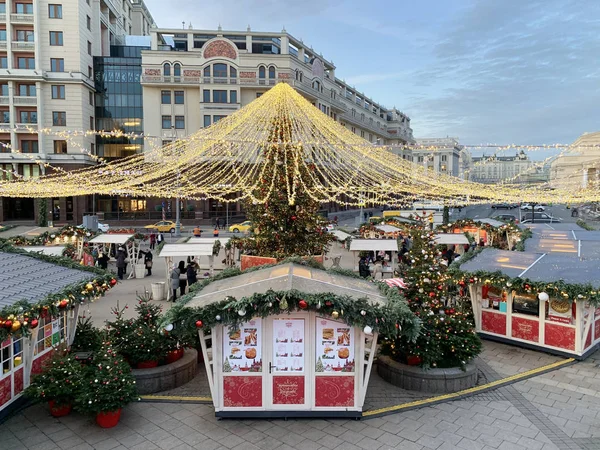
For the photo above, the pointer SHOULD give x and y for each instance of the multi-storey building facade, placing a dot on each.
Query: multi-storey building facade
(47, 83)
(193, 78)
(493, 169)
(442, 155)
(579, 167)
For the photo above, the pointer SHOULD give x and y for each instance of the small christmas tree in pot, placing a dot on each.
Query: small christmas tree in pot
(107, 388)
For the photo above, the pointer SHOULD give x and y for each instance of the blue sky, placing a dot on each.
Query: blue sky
(487, 71)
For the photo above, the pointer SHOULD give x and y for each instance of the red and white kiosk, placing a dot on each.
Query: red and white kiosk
(544, 320)
(300, 364)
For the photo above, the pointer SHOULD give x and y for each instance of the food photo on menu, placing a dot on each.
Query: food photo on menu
(335, 351)
(241, 349)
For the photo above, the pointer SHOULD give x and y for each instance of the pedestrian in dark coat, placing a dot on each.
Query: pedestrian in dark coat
(103, 261)
(192, 274)
(175, 274)
(148, 261)
(121, 263)
(182, 277)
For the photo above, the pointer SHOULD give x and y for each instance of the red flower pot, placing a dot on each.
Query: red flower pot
(174, 355)
(147, 364)
(59, 410)
(108, 419)
(413, 360)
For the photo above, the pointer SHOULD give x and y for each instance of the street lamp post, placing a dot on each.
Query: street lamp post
(177, 199)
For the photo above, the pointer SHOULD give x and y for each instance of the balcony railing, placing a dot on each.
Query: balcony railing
(4, 100)
(4, 127)
(23, 100)
(23, 45)
(2, 45)
(23, 18)
(2, 17)
(25, 127)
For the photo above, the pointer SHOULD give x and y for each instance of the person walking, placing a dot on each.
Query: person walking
(152, 241)
(148, 261)
(160, 238)
(103, 261)
(121, 264)
(218, 224)
(182, 278)
(175, 274)
(197, 231)
(192, 274)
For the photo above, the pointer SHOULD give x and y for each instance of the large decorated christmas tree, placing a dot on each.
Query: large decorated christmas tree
(448, 338)
(284, 215)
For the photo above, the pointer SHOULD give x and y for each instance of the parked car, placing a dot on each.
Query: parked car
(506, 218)
(539, 218)
(528, 207)
(503, 205)
(104, 227)
(243, 227)
(164, 226)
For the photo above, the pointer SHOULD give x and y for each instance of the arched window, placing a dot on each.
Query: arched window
(297, 75)
(220, 70)
(316, 86)
(207, 71)
(271, 73)
(177, 69)
(167, 69)
(261, 72)
(232, 72)
(301, 76)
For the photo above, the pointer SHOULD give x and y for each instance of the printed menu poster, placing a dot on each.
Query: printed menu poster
(288, 345)
(335, 346)
(241, 347)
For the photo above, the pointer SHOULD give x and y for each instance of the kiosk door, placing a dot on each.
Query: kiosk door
(287, 367)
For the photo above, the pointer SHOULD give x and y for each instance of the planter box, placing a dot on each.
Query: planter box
(433, 380)
(170, 376)
(254, 261)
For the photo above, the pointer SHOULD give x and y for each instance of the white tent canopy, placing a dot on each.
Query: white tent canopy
(108, 239)
(53, 251)
(207, 241)
(111, 239)
(451, 239)
(387, 228)
(368, 245)
(340, 235)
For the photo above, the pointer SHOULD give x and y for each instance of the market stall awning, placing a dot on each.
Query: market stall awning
(340, 235)
(450, 239)
(513, 264)
(492, 222)
(396, 282)
(46, 250)
(387, 228)
(181, 250)
(207, 241)
(374, 245)
(286, 277)
(111, 239)
(25, 278)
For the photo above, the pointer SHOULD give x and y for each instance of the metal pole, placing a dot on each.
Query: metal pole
(226, 216)
(177, 218)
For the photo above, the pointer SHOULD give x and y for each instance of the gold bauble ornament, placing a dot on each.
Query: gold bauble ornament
(335, 314)
(15, 326)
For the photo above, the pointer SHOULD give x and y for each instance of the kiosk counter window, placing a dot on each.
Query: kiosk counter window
(11, 355)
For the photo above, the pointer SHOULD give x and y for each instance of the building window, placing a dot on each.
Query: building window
(444, 158)
(89, 48)
(57, 65)
(220, 70)
(29, 147)
(232, 72)
(217, 118)
(58, 91)
(207, 71)
(56, 38)
(93, 149)
(3, 62)
(177, 70)
(3, 8)
(59, 118)
(27, 117)
(206, 96)
(90, 72)
(5, 117)
(179, 122)
(88, 21)
(26, 63)
(219, 96)
(166, 122)
(165, 97)
(167, 69)
(24, 8)
(179, 98)
(271, 73)
(60, 147)
(232, 96)
(92, 123)
(261, 72)
(91, 98)
(27, 90)
(206, 121)
(4, 89)
(3, 35)
(25, 35)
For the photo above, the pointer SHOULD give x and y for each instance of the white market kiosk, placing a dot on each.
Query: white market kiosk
(452, 239)
(570, 329)
(133, 248)
(376, 245)
(280, 366)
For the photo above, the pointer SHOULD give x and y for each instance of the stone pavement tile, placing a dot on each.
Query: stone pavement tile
(131, 440)
(368, 443)
(394, 440)
(183, 447)
(347, 446)
(209, 444)
(350, 436)
(268, 443)
(314, 435)
(331, 441)
(147, 445)
(371, 432)
(171, 424)
(169, 442)
(491, 441)
(107, 444)
(408, 434)
(468, 433)
(469, 444)
(524, 431)
(448, 426)
(430, 442)
(216, 433)
(337, 430)
(231, 441)
(73, 442)
(430, 429)
(531, 444)
(511, 446)
(292, 439)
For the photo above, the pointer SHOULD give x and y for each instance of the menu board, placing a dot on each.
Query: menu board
(242, 347)
(288, 345)
(335, 346)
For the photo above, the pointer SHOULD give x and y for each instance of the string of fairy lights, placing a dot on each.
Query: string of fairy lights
(228, 162)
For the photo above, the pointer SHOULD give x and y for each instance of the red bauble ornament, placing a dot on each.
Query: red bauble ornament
(294, 217)
(461, 283)
(113, 282)
(471, 280)
(199, 324)
(34, 323)
(527, 287)
(440, 287)
(452, 310)
(8, 324)
(328, 303)
(302, 304)
(63, 303)
(432, 294)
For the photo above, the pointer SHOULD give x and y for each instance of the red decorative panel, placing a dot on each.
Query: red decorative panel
(36, 366)
(242, 392)
(493, 323)
(528, 330)
(220, 48)
(247, 74)
(253, 261)
(597, 330)
(5, 391)
(588, 340)
(559, 336)
(283, 75)
(288, 390)
(152, 72)
(334, 391)
(192, 73)
(18, 377)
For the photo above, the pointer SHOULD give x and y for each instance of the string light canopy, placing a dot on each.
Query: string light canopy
(232, 160)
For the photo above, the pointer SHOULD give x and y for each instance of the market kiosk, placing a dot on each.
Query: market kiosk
(288, 365)
(539, 302)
